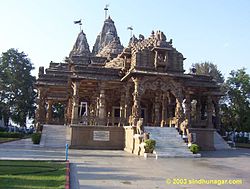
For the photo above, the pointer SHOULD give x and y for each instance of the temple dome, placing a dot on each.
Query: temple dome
(81, 46)
(107, 41)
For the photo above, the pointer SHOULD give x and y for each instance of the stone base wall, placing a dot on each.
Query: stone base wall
(97, 137)
(132, 141)
(204, 137)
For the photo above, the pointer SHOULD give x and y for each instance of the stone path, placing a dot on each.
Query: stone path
(25, 150)
(92, 169)
(102, 169)
(52, 146)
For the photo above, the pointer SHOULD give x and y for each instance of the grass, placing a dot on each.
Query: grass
(32, 174)
(242, 145)
(2, 140)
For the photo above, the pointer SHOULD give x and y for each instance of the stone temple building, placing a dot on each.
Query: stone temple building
(113, 86)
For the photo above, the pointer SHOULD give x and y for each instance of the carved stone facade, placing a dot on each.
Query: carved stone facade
(113, 86)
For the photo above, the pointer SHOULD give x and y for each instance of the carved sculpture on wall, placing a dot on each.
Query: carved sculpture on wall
(139, 126)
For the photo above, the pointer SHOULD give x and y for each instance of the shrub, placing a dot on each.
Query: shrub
(36, 137)
(11, 135)
(150, 145)
(3, 129)
(194, 148)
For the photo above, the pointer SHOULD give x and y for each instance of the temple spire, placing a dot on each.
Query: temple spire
(108, 39)
(81, 46)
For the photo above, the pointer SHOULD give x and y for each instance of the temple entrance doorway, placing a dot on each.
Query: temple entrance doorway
(158, 108)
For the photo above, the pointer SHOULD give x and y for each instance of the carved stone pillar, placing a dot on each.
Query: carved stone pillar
(164, 110)
(188, 109)
(75, 103)
(127, 110)
(49, 112)
(179, 115)
(217, 113)
(136, 110)
(69, 110)
(157, 110)
(41, 111)
(122, 109)
(209, 112)
(102, 107)
(198, 110)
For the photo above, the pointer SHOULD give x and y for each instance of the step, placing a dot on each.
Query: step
(168, 142)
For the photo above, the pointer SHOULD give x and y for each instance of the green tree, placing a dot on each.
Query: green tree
(17, 93)
(236, 107)
(208, 68)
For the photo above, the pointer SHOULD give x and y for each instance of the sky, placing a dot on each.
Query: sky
(217, 31)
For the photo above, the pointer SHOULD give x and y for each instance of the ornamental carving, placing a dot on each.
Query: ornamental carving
(163, 85)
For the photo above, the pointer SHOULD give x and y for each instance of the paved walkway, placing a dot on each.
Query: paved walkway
(52, 146)
(101, 169)
(92, 169)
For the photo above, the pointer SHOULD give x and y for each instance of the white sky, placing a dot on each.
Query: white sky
(208, 30)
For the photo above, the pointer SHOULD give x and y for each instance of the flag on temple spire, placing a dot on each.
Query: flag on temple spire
(78, 22)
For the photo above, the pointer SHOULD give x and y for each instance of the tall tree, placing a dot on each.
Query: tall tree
(208, 68)
(236, 107)
(17, 93)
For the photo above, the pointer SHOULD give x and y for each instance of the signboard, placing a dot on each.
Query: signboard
(101, 135)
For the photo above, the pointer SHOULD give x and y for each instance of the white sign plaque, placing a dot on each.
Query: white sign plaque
(101, 135)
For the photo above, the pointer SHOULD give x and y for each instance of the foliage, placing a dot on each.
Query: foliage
(3, 129)
(208, 68)
(17, 96)
(32, 174)
(236, 106)
(58, 110)
(150, 145)
(36, 137)
(11, 135)
(194, 148)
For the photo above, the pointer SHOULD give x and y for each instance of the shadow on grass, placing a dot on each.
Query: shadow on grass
(28, 183)
(32, 174)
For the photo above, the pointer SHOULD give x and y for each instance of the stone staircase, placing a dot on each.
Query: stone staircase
(219, 142)
(53, 136)
(168, 142)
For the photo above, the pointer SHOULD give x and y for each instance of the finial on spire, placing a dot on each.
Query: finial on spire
(79, 22)
(131, 29)
(106, 10)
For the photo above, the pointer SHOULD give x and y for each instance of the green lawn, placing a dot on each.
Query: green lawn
(32, 174)
(243, 145)
(2, 140)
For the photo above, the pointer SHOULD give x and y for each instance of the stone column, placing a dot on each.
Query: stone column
(69, 110)
(136, 110)
(102, 107)
(179, 112)
(127, 110)
(157, 110)
(41, 111)
(209, 112)
(198, 110)
(122, 109)
(217, 113)
(163, 112)
(75, 103)
(188, 109)
(49, 112)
